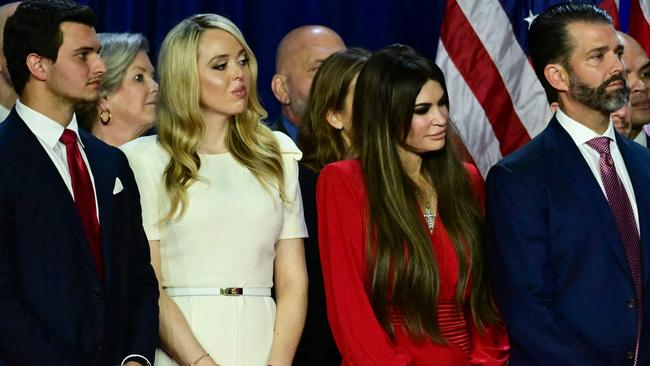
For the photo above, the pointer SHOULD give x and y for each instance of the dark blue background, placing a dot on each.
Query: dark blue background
(369, 24)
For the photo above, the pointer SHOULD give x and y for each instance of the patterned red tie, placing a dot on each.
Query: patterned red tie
(84, 197)
(619, 203)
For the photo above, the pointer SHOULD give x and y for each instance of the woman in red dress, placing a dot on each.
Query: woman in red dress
(400, 229)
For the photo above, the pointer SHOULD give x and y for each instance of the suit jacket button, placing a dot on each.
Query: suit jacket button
(629, 355)
(631, 303)
(97, 292)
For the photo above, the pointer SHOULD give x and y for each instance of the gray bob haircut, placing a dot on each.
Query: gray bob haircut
(118, 52)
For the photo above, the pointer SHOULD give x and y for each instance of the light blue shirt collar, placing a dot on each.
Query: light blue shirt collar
(292, 130)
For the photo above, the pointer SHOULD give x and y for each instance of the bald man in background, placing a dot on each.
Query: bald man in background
(8, 95)
(298, 57)
(637, 70)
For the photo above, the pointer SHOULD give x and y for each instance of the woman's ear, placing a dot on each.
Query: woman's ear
(103, 104)
(334, 119)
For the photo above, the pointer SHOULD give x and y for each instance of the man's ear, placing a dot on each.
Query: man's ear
(280, 88)
(38, 66)
(557, 76)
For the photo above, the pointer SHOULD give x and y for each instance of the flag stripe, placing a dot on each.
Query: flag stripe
(611, 7)
(493, 27)
(469, 56)
(473, 125)
(639, 22)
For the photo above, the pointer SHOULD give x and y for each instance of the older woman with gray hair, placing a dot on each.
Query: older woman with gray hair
(128, 92)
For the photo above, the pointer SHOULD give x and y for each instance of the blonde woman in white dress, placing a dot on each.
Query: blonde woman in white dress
(221, 207)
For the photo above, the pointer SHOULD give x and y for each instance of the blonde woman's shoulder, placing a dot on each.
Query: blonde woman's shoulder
(144, 148)
(140, 144)
(287, 146)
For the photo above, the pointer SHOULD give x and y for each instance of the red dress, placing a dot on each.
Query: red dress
(341, 201)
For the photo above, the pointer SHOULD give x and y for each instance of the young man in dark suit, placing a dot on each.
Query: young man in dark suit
(76, 286)
(568, 214)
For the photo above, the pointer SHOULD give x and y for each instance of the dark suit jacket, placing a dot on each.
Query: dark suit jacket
(279, 125)
(559, 268)
(317, 346)
(276, 125)
(53, 308)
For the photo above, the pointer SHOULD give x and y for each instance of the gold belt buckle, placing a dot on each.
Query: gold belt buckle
(232, 291)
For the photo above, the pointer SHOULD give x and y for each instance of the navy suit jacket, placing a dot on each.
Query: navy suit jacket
(54, 310)
(559, 268)
(317, 346)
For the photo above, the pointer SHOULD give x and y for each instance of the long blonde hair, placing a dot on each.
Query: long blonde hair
(180, 121)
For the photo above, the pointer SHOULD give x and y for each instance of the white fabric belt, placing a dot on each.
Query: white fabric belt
(217, 291)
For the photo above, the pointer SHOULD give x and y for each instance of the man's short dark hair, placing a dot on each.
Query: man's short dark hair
(548, 38)
(35, 28)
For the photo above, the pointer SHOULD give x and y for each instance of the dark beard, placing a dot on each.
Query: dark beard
(599, 98)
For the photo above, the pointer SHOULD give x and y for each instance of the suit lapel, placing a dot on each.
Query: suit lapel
(30, 153)
(572, 166)
(638, 170)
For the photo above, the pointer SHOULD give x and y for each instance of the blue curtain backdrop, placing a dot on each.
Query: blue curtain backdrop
(369, 24)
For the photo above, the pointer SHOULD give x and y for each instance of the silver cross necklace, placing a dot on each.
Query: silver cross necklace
(429, 215)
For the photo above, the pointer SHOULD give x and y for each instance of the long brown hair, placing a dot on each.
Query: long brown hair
(401, 265)
(319, 142)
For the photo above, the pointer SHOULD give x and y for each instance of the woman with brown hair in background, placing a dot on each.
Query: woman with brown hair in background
(324, 137)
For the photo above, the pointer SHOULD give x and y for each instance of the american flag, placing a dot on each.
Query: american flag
(497, 103)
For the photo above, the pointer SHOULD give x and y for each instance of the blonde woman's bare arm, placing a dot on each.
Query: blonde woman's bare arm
(290, 275)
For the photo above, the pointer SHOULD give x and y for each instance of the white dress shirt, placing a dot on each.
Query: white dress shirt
(580, 135)
(641, 138)
(48, 132)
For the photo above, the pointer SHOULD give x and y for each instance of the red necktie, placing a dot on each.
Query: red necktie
(619, 203)
(84, 197)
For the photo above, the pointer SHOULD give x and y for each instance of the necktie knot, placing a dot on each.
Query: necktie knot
(68, 137)
(600, 144)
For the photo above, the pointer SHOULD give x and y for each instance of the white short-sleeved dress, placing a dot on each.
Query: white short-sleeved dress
(226, 238)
